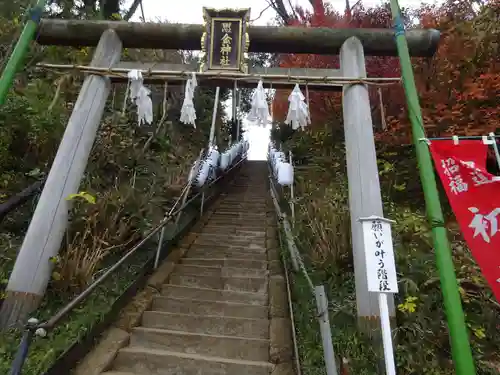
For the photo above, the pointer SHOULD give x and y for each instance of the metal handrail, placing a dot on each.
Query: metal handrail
(298, 264)
(40, 329)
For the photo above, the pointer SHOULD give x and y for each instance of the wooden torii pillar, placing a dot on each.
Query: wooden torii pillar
(32, 270)
(50, 219)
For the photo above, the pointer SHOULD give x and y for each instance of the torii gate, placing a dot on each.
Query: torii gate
(50, 218)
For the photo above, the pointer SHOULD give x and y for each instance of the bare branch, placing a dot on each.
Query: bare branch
(133, 8)
(261, 13)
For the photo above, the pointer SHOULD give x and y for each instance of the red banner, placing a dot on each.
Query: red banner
(474, 196)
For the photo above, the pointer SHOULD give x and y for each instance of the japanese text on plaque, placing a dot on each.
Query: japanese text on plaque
(379, 255)
(226, 45)
(378, 234)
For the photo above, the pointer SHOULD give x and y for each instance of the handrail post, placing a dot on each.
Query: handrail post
(325, 329)
(214, 118)
(158, 249)
(22, 351)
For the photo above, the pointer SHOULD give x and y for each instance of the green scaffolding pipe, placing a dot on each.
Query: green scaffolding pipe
(20, 50)
(459, 338)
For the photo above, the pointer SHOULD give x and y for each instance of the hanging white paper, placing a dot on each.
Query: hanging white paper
(188, 113)
(140, 96)
(259, 112)
(379, 255)
(144, 106)
(298, 111)
(135, 82)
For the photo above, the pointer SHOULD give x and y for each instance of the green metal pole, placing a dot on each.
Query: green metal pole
(21, 49)
(459, 338)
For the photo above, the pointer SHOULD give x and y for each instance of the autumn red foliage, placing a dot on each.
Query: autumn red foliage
(459, 87)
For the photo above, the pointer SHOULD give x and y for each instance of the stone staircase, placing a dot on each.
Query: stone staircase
(223, 308)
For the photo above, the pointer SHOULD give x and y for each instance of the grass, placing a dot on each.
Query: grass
(44, 351)
(323, 233)
(128, 190)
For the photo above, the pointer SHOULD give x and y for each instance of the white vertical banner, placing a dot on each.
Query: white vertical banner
(381, 275)
(379, 255)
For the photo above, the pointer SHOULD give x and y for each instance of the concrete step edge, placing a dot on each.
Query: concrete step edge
(200, 253)
(231, 259)
(213, 290)
(198, 357)
(201, 266)
(229, 303)
(188, 274)
(165, 313)
(184, 333)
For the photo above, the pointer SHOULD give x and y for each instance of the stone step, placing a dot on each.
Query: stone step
(221, 230)
(234, 224)
(241, 236)
(243, 201)
(230, 209)
(245, 197)
(227, 241)
(254, 248)
(197, 343)
(240, 214)
(235, 284)
(210, 253)
(242, 209)
(240, 221)
(219, 271)
(226, 262)
(146, 361)
(242, 218)
(204, 307)
(177, 291)
(207, 324)
(247, 209)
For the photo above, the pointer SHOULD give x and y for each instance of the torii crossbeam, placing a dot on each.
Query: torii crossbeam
(318, 40)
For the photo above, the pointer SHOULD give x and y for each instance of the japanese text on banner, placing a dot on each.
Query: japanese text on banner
(475, 200)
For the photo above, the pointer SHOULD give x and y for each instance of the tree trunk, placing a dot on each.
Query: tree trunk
(110, 7)
(32, 270)
(321, 41)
